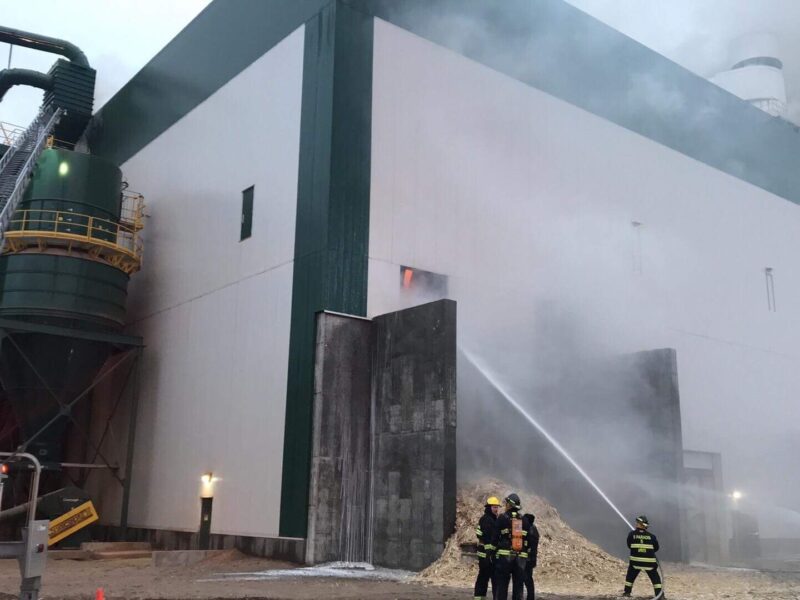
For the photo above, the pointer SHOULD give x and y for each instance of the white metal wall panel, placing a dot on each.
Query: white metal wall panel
(214, 311)
(523, 199)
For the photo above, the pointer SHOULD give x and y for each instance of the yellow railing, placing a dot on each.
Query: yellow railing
(132, 210)
(54, 142)
(118, 244)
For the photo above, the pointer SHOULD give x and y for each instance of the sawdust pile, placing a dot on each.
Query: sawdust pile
(565, 556)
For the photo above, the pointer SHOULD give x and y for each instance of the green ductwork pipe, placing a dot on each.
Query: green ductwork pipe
(27, 39)
(11, 77)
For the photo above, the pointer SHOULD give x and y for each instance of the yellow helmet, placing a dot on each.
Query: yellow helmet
(493, 501)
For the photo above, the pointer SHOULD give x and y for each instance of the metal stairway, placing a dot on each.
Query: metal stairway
(17, 164)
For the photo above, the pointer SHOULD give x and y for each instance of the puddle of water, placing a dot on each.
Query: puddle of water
(340, 570)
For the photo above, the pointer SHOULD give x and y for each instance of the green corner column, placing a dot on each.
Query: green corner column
(332, 230)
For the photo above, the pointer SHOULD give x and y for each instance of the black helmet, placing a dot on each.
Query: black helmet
(513, 500)
(642, 520)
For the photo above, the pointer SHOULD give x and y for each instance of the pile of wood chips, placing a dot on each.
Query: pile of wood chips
(565, 556)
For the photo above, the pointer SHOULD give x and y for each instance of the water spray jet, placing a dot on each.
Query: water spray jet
(553, 441)
(496, 385)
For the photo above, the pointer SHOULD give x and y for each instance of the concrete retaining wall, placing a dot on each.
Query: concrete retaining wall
(414, 395)
(396, 376)
(339, 493)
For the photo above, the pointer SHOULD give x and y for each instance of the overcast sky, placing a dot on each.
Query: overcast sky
(697, 33)
(120, 36)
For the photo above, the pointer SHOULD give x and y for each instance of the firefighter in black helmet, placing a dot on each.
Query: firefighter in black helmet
(486, 537)
(512, 554)
(532, 552)
(643, 546)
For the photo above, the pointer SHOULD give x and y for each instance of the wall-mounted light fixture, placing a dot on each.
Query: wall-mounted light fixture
(771, 306)
(207, 482)
(638, 263)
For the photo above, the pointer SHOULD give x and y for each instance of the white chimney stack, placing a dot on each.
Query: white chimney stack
(756, 73)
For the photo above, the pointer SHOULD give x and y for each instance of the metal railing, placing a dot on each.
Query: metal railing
(118, 243)
(132, 210)
(31, 551)
(26, 137)
(40, 133)
(10, 133)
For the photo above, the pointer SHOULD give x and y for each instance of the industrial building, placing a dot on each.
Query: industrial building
(575, 193)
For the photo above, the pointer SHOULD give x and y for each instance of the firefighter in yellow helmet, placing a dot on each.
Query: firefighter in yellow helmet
(486, 534)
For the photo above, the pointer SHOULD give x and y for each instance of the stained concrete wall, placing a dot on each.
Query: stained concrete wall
(656, 401)
(414, 395)
(705, 502)
(339, 493)
(384, 421)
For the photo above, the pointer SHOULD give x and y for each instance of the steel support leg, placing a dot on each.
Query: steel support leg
(132, 418)
(29, 590)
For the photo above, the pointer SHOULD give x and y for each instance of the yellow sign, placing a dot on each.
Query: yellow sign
(68, 523)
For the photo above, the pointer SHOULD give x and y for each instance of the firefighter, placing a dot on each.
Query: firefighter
(531, 552)
(643, 546)
(486, 537)
(510, 543)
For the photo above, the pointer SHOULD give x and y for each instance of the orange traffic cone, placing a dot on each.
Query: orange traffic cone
(99, 594)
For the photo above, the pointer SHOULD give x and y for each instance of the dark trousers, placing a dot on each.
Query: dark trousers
(508, 570)
(633, 572)
(527, 578)
(485, 576)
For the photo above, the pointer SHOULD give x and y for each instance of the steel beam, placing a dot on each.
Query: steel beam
(132, 418)
(97, 336)
(11, 549)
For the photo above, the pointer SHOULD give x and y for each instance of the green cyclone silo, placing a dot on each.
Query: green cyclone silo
(66, 262)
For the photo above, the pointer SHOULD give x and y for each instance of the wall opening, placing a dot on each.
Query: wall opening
(247, 213)
(422, 286)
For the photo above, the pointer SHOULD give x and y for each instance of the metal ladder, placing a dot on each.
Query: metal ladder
(17, 164)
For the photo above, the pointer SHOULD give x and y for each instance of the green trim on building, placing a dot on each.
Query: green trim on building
(224, 39)
(553, 46)
(332, 232)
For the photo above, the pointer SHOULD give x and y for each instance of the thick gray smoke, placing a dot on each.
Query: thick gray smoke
(557, 281)
(697, 35)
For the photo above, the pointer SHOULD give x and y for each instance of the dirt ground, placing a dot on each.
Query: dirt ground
(137, 580)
